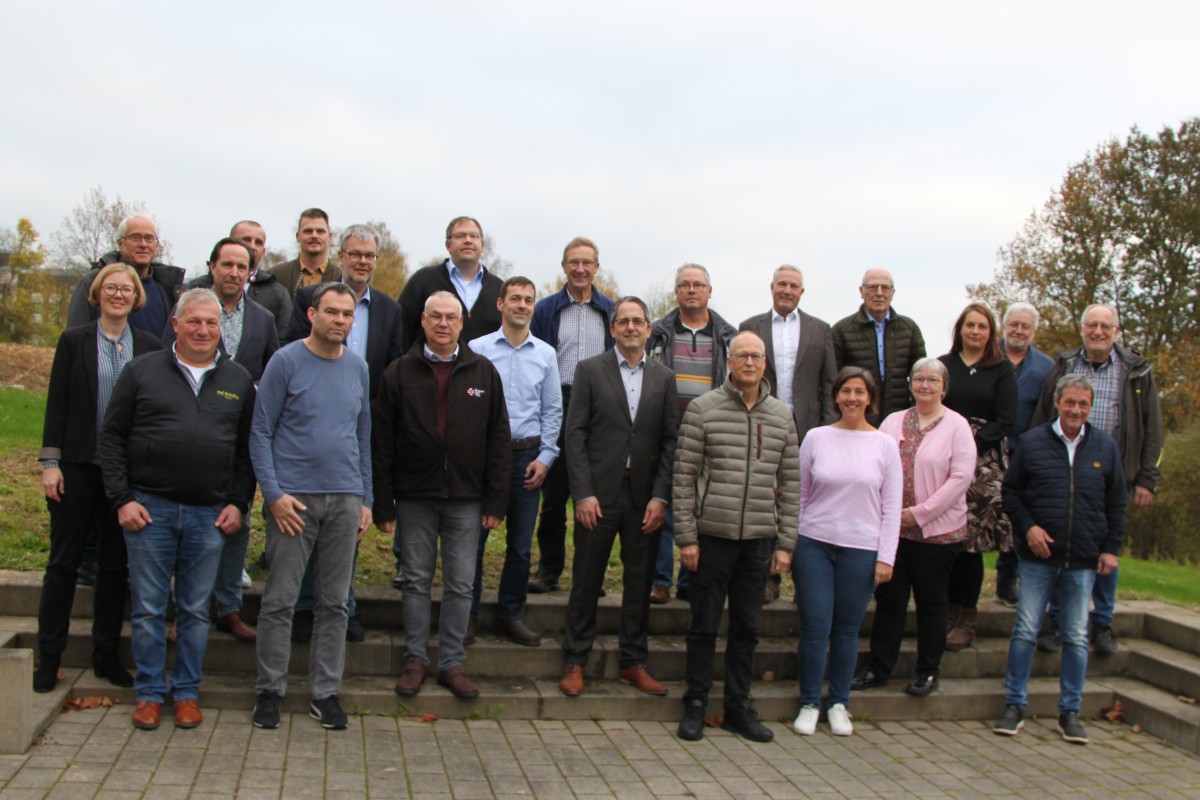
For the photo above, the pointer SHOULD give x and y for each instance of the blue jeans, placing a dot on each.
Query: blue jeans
(181, 540)
(420, 524)
(520, 519)
(1071, 588)
(227, 593)
(1104, 600)
(664, 565)
(833, 585)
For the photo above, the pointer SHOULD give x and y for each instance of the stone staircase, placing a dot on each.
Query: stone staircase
(1159, 661)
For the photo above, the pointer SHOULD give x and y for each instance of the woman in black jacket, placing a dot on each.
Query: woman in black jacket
(87, 361)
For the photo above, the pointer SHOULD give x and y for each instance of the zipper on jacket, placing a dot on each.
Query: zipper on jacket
(1070, 507)
(746, 480)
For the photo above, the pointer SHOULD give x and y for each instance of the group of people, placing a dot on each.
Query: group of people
(839, 453)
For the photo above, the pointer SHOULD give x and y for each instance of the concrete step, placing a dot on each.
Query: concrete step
(1165, 667)
(1159, 712)
(1173, 626)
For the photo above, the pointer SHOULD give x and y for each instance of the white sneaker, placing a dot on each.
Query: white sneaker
(839, 720)
(806, 721)
(246, 582)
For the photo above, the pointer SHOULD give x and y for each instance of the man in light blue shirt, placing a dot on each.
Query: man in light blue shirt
(528, 368)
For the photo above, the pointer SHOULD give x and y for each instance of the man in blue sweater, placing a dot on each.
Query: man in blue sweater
(1065, 493)
(311, 447)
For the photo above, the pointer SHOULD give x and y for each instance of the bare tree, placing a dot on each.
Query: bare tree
(90, 230)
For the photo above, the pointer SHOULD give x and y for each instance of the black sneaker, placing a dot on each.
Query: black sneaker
(866, 679)
(1050, 640)
(1006, 593)
(354, 631)
(328, 712)
(691, 727)
(302, 625)
(1104, 640)
(1071, 728)
(922, 686)
(744, 722)
(266, 710)
(1010, 722)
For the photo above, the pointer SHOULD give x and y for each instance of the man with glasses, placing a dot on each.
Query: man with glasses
(801, 363)
(574, 321)
(137, 246)
(312, 265)
(442, 451)
(374, 337)
(463, 277)
(620, 449)
(693, 341)
(878, 339)
(1125, 406)
(737, 500)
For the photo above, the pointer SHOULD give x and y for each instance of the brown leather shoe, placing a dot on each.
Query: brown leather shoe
(572, 680)
(147, 715)
(187, 713)
(640, 679)
(771, 593)
(411, 678)
(233, 624)
(659, 594)
(455, 679)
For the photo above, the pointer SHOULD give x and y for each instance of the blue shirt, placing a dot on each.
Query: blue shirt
(467, 290)
(532, 390)
(311, 432)
(356, 340)
(880, 329)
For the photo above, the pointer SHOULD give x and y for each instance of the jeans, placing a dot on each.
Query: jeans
(420, 524)
(327, 547)
(556, 491)
(737, 569)
(833, 586)
(83, 507)
(227, 593)
(1006, 568)
(520, 518)
(924, 568)
(664, 566)
(307, 599)
(181, 540)
(1071, 588)
(1104, 600)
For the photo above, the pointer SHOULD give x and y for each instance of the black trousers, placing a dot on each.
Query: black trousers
(592, 548)
(924, 569)
(83, 503)
(966, 580)
(736, 569)
(556, 491)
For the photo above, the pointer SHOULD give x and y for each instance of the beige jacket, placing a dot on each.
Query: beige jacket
(737, 470)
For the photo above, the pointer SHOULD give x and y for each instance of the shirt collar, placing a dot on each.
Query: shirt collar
(238, 306)
(175, 355)
(454, 270)
(622, 361)
(435, 358)
(793, 314)
(1056, 426)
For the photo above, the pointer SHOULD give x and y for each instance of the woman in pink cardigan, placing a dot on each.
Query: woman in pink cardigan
(937, 454)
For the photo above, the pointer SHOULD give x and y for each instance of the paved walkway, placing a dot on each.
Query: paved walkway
(97, 754)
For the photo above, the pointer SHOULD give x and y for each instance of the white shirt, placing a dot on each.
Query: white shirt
(1072, 444)
(785, 338)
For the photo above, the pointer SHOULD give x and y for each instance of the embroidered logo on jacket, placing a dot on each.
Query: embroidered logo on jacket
(473, 392)
(227, 395)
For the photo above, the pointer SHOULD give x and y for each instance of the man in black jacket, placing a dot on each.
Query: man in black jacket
(1065, 494)
(175, 454)
(262, 287)
(441, 453)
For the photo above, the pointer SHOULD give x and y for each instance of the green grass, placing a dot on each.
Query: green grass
(1140, 580)
(21, 414)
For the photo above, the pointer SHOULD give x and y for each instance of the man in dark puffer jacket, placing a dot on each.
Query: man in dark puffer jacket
(1065, 492)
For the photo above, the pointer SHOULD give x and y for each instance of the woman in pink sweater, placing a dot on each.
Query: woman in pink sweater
(850, 492)
(937, 453)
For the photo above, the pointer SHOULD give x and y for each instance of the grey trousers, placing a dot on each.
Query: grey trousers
(330, 529)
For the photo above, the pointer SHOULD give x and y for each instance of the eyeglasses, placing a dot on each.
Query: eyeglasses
(1099, 326)
(872, 288)
(438, 319)
(587, 263)
(684, 286)
(637, 322)
(747, 358)
(139, 238)
(458, 236)
(920, 379)
(112, 290)
(354, 255)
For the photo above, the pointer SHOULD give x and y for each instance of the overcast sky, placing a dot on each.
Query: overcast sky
(838, 137)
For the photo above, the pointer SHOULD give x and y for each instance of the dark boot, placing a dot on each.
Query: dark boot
(963, 634)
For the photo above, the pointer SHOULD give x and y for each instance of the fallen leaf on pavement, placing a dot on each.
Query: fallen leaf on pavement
(1114, 714)
(1183, 698)
(429, 716)
(715, 721)
(84, 703)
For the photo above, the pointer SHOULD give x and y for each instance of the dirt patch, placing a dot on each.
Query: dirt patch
(25, 365)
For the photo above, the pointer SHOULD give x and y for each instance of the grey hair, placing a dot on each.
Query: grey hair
(700, 267)
(1026, 308)
(931, 364)
(1116, 314)
(123, 228)
(358, 231)
(442, 294)
(1072, 380)
(191, 296)
(787, 268)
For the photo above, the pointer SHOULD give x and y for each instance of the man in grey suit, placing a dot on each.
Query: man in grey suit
(801, 363)
(620, 450)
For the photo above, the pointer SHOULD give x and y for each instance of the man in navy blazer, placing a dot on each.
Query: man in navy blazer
(377, 332)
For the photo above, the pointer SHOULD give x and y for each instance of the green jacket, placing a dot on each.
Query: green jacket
(854, 345)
